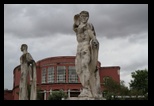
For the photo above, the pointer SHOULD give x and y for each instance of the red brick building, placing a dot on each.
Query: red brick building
(8, 94)
(58, 73)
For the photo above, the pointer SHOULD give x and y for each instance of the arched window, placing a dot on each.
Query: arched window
(51, 75)
(73, 78)
(44, 75)
(61, 74)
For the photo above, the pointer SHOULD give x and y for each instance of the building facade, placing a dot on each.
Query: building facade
(58, 73)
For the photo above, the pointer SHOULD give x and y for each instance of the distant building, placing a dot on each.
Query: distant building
(58, 73)
(8, 94)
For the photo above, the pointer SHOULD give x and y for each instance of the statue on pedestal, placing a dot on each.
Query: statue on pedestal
(87, 56)
(28, 66)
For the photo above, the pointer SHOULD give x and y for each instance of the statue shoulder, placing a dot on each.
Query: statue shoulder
(28, 54)
(90, 25)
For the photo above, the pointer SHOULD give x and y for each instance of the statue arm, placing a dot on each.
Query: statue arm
(31, 64)
(94, 44)
(79, 29)
(91, 31)
(30, 60)
(77, 26)
(92, 34)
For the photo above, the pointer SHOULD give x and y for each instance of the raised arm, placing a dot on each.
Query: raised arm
(76, 22)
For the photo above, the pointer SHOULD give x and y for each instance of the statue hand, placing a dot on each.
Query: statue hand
(81, 25)
(95, 42)
(30, 62)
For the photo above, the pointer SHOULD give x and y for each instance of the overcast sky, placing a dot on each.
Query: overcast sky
(121, 29)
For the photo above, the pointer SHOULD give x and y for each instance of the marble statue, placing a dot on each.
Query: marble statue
(87, 56)
(28, 67)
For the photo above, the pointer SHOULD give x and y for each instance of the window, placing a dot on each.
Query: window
(61, 74)
(105, 80)
(51, 75)
(43, 75)
(73, 78)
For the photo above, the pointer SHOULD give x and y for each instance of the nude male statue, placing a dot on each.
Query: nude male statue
(27, 66)
(87, 56)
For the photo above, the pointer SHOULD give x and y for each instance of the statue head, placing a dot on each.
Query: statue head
(85, 13)
(24, 47)
(84, 16)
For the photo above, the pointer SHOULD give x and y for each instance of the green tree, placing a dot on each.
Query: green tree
(111, 85)
(114, 88)
(139, 82)
(123, 89)
(57, 95)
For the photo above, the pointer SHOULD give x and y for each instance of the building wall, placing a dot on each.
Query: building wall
(8, 95)
(113, 72)
(61, 61)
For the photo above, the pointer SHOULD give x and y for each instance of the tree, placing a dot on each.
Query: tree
(140, 81)
(123, 89)
(57, 95)
(111, 85)
(114, 88)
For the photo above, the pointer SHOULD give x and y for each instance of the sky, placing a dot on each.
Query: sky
(47, 29)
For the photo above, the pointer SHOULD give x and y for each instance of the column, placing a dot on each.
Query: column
(55, 74)
(50, 91)
(45, 95)
(67, 67)
(68, 93)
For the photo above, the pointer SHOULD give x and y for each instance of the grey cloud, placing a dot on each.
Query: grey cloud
(122, 20)
(42, 20)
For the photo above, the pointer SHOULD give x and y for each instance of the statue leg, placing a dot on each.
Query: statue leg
(79, 71)
(98, 86)
(85, 59)
(95, 85)
(78, 64)
(33, 95)
(23, 93)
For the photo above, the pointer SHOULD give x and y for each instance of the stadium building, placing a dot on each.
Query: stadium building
(58, 73)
